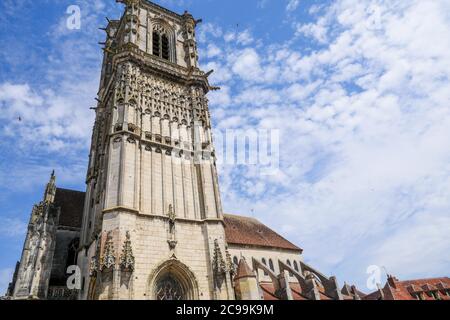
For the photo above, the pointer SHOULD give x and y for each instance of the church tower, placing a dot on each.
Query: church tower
(153, 224)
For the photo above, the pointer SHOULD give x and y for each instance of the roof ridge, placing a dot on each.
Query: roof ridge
(424, 279)
(250, 231)
(241, 216)
(65, 189)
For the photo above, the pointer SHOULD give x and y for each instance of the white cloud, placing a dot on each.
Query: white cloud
(242, 38)
(292, 5)
(318, 30)
(220, 97)
(213, 51)
(45, 120)
(258, 96)
(365, 121)
(247, 64)
(11, 227)
(208, 29)
(54, 113)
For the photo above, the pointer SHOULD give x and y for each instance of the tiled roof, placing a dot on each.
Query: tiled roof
(403, 289)
(297, 292)
(268, 291)
(422, 282)
(406, 290)
(71, 204)
(249, 231)
(351, 291)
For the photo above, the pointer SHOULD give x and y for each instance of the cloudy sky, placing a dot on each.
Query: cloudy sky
(360, 91)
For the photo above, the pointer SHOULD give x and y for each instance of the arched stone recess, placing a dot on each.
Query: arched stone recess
(172, 279)
(163, 27)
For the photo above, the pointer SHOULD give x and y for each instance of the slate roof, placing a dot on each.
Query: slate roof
(249, 231)
(71, 204)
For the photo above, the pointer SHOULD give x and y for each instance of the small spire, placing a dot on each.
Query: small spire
(50, 190)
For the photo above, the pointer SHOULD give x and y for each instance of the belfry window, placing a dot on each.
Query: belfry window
(156, 49)
(165, 47)
(161, 46)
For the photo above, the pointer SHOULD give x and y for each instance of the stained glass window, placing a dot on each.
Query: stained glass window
(168, 288)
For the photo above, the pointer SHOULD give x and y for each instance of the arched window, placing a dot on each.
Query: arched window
(265, 263)
(295, 266)
(161, 46)
(156, 47)
(290, 265)
(173, 280)
(165, 47)
(236, 261)
(271, 265)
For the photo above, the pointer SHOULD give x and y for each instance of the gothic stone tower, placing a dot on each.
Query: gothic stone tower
(153, 223)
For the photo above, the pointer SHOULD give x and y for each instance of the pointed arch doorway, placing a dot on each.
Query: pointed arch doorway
(173, 280)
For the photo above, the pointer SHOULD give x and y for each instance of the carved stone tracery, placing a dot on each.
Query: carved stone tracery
(127, 258)
(219, 265)
(108, 259)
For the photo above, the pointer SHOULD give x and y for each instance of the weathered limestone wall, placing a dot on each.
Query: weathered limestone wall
(149, 237)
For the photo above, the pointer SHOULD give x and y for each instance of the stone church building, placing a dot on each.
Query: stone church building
(150, 224)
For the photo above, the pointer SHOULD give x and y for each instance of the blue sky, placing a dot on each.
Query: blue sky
(359, 90)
